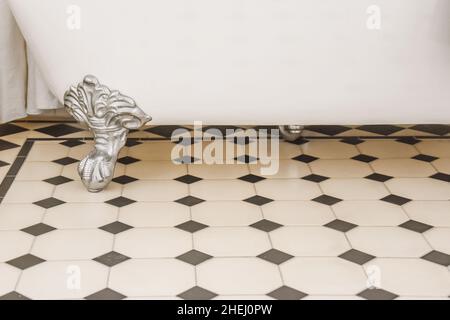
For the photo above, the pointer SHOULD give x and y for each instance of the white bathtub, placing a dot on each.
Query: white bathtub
(252, 61)
(239, 62)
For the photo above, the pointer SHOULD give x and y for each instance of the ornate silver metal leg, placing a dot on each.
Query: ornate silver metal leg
(291, 132)
(109, 115)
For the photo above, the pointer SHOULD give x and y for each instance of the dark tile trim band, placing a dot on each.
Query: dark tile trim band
(15, 167)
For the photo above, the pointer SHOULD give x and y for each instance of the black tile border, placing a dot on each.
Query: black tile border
(15, 168)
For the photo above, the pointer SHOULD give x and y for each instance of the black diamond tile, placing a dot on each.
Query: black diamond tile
(49, 203)
(191, 226)
(364, 158)
(194, 257)
(300, 141)
(189, 201)
(340, 225)
(116, 227)
(58, 180)
(275, 256)
(392, 198)
(287, 293)
(124, 179)
(9, 128)
(266, 225)
(328, 200)
(6, 145)
(127, 160)
(352, 140)
(425, 158)
(305, 158)
(38, 229)
(384, 130)
(378, 177)
(315, 178)
(187, 141)
(132, 142)
(106, 294)
(164, 131)
(243, 140)
(65, 161)
(415, 226)
(329, 130)
(188, 179)
(441, 176)
(3, 164)
(120, 202)
(377, 294)
(72, 143)
(246, 159)
(197, 293)
(13, 296)
(437, 129)
(112, 258)
(25, 261)
(258, 200)
(356, 256)
(58, 130)
(186, 160)
(438, 257)
(251, 178)
(408, 140)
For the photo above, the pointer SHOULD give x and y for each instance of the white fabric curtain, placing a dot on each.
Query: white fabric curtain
(23, 90)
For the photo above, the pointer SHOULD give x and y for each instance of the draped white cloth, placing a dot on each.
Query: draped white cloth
(23, 90)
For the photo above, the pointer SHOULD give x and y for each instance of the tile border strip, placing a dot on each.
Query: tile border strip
(15, 168)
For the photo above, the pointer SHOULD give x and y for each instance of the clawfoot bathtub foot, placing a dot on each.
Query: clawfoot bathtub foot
(291, 132)
(109, 115)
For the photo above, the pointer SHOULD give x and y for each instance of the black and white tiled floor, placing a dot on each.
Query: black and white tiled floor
(350, 208)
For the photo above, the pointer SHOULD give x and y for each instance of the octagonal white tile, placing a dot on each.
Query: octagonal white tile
(223, 171)
(388, 242)
(63, 280)
(412, 277)
(309, 241)
(442, 165)
(420, 188)
(370, 213)
(387, 149)
(153, 277)
(222, 190)
(154, 214)
(324, 276)
(291, 213)
(226, 213)
(8, 278)
(343, 168)
(436, 148)
(408, 168)
(75, 191)
(153, 242)
(80, 215)
(28, 192)
(236, 276)
(155, 170)
(354, 189)
(38, 171)
(14, 244)
(16, 216)
(155, 190)
(287, 189)
(72, 244)
(434, 213)
(231, 241)
(329, 149)
(439, 239)
(286, 169)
